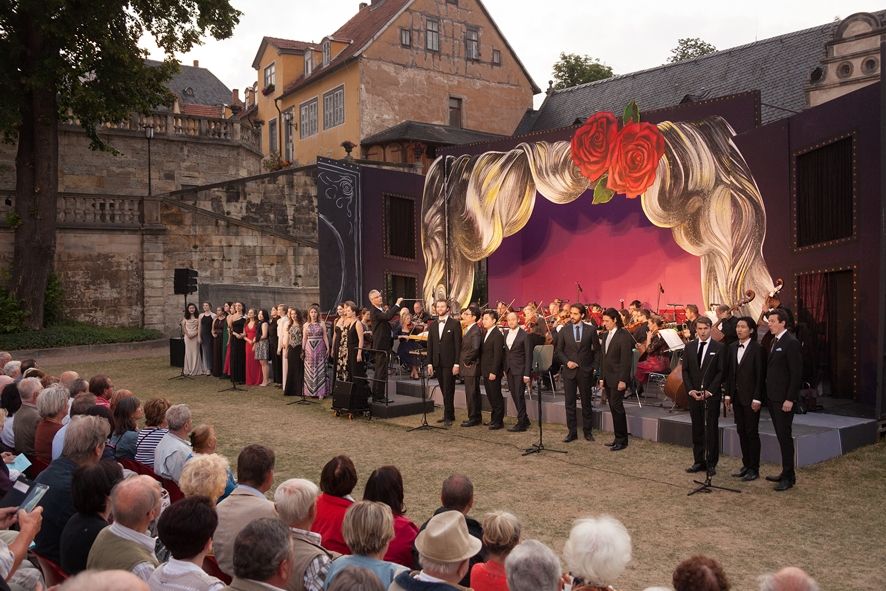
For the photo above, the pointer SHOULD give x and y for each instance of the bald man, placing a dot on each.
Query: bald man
(68, 378)
(111, 580)
(788, 579)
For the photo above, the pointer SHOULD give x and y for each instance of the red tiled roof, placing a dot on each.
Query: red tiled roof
(284, 44)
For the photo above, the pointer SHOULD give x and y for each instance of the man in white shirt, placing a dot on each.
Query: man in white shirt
(186, 529)
(444, 348)
(174, 449)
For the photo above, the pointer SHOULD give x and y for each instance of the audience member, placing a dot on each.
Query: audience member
(385, 485)
(204, 441)
(354, 578)
(10, 401)
(255, 475)
(155, 429)
(262, 556)
(27, 417)
(26, 365)
(788, 579)
(337, 482)
(296, 502)
(67, 379)
(174, 449)
(700, 573)
(5, 357)
(78, 386)
(15, 569)
(90, 491)
(112, 580)
(501, 533)
(53, 408)
(13, 369)
(186, 529)
(124, 439)
(101, 386)
(117, 396)
(205, 475)
(84, 444)
(532, 566)
(596, 553)
(125, 545)
(444, 551)
(104, 413)
(79, 406)
(368, 529)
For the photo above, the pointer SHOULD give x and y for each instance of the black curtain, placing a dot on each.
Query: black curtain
(824, 193)
(400, 222)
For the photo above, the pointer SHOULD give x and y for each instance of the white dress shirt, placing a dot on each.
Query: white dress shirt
(512, 336)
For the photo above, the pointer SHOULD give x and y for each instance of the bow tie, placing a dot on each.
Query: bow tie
(442, 321)
(741, 346)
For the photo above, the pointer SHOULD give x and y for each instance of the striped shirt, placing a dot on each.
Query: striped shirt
(148, 438)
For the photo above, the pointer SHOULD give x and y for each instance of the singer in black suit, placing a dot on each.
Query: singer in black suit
(703, 375)
(444, 346)
(382, 341)
(469, 365)
(784, 369)
(744, 393)
(492, 367)
(615, 373)
(576, 349)
(518, 362)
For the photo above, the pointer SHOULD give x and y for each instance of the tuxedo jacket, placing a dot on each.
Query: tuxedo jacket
(710, 374)
(727, 327)
(381, 327)
(583, 353)
(615, 362)
(469, 359)
(444, 352)
(518, 359)
(784, 370)
(492, 353)
(744, 381)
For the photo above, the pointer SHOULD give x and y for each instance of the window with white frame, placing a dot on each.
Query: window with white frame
(432, 35)
(307, 123)
(287, 134)
(472, 43)
(334, 107)
(273, 139)
(309, 62)
(327, 53)
(405, 37)
(496, 57)
(270, 74)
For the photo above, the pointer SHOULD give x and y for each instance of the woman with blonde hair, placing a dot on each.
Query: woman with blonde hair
(205, 475)
(501, 533)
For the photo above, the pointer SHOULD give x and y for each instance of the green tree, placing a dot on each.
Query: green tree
(689, 48)
(70, 61)
(573, 69)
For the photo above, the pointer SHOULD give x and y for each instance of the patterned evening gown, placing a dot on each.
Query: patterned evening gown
(315, 361)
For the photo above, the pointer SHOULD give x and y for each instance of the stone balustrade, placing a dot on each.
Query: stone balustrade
(85, 211)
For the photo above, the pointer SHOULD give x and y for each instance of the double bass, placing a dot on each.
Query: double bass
(749, 296)
(772, 302)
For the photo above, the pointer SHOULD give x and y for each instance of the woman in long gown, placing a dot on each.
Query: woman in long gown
(406, 347)
(295, 366)
(262, 345)
(357, 334)
(251, 334)
(237, 323)
(315, 346)
(218, 342)
(191, 332)
(206, 338)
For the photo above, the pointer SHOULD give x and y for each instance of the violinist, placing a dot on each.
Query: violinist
(727, 324)
(534, 327)
(654, 356)
(420, 317)
(691, 318)
(640, 326)
(502, 309)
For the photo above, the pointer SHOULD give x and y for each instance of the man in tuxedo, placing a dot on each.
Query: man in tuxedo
(492, 367)
(444, 346)
(615, 373)
(727, 324)
(702, 376)
(469, 365)
(744, 392)
(382, 341)
(518, 361)
(784, 368)
(576, 347)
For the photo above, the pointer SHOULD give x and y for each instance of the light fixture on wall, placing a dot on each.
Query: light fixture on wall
(149, 135)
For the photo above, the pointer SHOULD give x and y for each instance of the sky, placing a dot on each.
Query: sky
(626, 36)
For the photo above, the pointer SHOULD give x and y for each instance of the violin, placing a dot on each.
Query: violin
(772, 299)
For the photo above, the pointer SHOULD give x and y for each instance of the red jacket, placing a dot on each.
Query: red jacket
(400, 550)
(330, 515)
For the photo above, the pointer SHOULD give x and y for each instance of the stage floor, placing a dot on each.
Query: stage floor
(818, 436)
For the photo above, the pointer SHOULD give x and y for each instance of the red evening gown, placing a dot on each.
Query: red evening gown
(253, 367)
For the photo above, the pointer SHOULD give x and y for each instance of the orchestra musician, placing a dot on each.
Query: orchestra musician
(576, 349)
(492, 367)
(419, 315)
(382, 340)
(727, 324)
(702, 376)
(744, 393)
(444, 346)
(654, 356)
(784, 367)
(615, 372)
(518, 362)
(691, 318)
(469, 364)
(640, 325)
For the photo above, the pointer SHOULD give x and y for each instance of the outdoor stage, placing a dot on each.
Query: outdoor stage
(818, 436)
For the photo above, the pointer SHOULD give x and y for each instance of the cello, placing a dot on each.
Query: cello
(716, 333)
(772, 302)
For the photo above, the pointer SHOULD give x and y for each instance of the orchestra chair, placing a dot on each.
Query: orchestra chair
(52, 572)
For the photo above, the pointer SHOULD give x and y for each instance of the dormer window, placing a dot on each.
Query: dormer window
(309, 62)
(327, 53)
(270, 75)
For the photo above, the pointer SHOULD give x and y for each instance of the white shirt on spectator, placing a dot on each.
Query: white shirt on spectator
(7, 436)
(170, 456)
(173, 569)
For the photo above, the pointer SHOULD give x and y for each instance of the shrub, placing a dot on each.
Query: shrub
(67, 334)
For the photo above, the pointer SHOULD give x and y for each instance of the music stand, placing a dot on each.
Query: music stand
(422, 372)
(542, 357)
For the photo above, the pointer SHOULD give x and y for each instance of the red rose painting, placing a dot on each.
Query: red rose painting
(592, 145)
(637, 149)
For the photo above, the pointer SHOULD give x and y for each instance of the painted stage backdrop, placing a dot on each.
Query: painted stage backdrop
(689, 177)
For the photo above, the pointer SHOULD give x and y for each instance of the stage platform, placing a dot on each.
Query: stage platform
(818, 436)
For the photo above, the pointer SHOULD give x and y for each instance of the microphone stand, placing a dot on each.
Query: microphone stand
(422, 369)
(535, 375)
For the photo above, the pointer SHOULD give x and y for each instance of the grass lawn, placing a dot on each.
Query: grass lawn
(832, 524)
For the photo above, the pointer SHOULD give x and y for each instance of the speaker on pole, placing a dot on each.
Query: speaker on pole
(184, 281)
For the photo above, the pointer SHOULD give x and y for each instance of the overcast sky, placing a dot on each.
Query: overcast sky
(628, 36)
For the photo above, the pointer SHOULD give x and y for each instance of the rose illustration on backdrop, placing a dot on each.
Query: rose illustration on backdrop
(592, 145)
(636, 151)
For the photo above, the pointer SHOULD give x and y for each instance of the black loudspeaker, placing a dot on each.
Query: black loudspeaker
(177, 352)
(184, 281)
(350, 397)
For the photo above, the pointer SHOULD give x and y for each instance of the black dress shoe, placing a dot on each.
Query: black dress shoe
(783, 484)
(441, 420)
(610, 444)
(496, 426)
(470, 423)
(696, 468)
(750, 475)
(744, 470)
(517, 428)
(774, 478)
(589, 437)
(570, 437)
(447, 423)
(618, 447)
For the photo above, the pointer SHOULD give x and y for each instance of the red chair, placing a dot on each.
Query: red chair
(37, 466)
(137, 467)
(211, 567)
(52, 572)
(175, 493)
(171, 487)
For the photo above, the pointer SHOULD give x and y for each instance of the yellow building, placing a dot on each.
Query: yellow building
(406, 75)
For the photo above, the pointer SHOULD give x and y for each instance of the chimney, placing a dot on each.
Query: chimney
(363, 5)
(235, 96)
(196, 63)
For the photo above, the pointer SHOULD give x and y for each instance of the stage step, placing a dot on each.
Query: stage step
(401, 406)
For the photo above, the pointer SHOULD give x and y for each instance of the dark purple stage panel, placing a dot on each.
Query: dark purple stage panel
(338, 231)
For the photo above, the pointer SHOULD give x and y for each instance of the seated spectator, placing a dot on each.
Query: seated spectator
(174, 449)
(262, 556)
(53, 407)
(125, 545)
(788, 579)
(26, 365)
(67, 379)
(204, 441)
(127, 414)
(101, 386)
(532, 566)
(296, 502)
(255, 475)
(444, 549)
(337, 482)
(186, 529)
(205, 475)
(501, 532)
(79, 406)
(13, 369)
(117, 396)
(5, 357)
(368, 529)
(78, 386)
(27, 417)
(109, 580)
(155, 429)
(354, 578)
(15, 569)
(91, 492)
(10, 401)
(104, 413)
(84, 444)
(700, 573)
(597, 551)
(385, 485)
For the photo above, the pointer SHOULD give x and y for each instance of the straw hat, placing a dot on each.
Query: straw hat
(446, 539)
